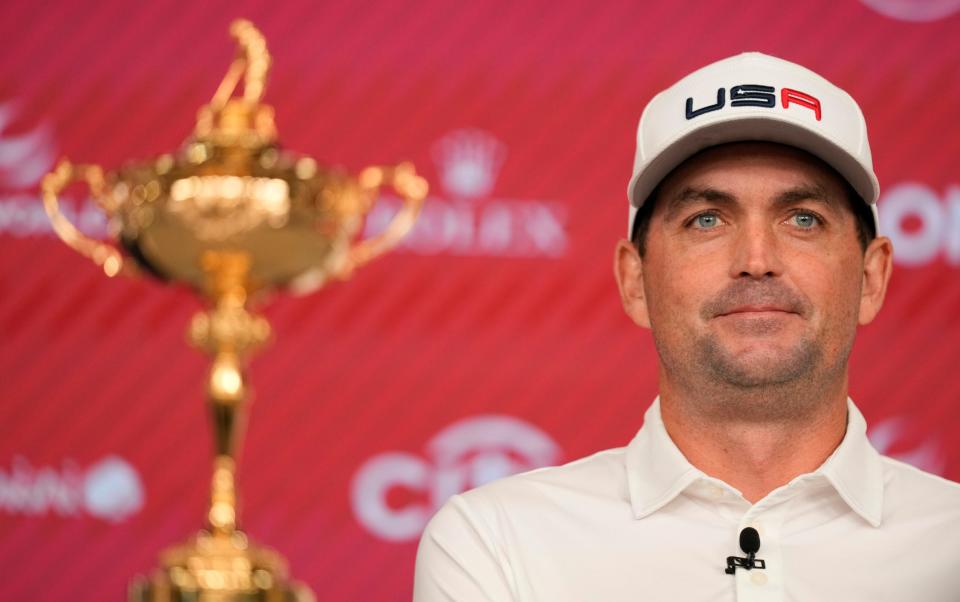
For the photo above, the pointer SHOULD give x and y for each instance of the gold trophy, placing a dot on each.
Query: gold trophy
(234, 217)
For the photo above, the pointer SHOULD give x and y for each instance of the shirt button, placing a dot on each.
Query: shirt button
(716, 492)
(758, 578)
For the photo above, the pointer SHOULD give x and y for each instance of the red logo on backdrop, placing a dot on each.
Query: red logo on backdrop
(462, 217)
(394, 494)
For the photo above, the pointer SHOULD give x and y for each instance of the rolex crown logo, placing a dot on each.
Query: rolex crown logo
(469, 161)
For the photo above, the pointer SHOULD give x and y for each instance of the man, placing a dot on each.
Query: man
(753, 258)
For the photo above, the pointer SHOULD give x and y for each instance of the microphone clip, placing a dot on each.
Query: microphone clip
(748, 563)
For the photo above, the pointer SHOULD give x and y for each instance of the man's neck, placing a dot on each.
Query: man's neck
(755, 453)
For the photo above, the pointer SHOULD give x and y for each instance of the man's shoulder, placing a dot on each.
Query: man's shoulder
(599, 475)
(589, 489)
(597, 481)
(910, 490)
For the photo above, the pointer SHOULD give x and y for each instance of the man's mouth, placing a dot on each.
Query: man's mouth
(747, 310)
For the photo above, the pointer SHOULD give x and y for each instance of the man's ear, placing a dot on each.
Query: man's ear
(877, 266)
(628, 269)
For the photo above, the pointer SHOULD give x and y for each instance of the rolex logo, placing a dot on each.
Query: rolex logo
(468, 162)
(468, 215)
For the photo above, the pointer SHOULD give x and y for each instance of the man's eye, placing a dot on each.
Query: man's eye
(805, 220)
(706, 221)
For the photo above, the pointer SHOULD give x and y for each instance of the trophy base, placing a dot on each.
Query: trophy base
(219, 568)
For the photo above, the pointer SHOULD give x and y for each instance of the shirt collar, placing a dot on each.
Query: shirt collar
(855, 471)
(657, 471)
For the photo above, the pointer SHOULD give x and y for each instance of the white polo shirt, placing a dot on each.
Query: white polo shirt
(640, 523)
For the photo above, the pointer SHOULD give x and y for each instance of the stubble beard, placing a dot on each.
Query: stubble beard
(788, 385)
(771, 370)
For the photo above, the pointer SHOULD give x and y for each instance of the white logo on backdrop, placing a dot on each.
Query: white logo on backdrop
(24, 159)
(469, 162)
(464, 219)
(886, 437)
(914, 10)
(922, 226)
(110, 489)
(462, 456)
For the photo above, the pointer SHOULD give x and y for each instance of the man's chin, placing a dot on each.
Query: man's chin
(761, 363)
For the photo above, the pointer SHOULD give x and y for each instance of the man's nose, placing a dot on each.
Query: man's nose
(756, 252)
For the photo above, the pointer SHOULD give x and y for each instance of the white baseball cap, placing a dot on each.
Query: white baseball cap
(752, 97)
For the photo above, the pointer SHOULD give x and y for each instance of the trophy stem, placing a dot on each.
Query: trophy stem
(230, 333)
(220, 564)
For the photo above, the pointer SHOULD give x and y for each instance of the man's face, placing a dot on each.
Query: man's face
(753, 273)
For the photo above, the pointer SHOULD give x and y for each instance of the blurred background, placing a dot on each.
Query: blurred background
(491, 342)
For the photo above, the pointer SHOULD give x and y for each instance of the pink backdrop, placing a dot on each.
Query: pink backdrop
(492, 341)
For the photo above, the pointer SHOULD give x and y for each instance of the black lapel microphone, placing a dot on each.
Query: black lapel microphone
(750, 544)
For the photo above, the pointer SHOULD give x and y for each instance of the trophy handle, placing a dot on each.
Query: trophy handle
(412, 189)
(102, 254)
